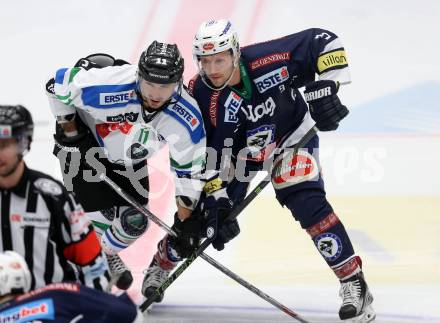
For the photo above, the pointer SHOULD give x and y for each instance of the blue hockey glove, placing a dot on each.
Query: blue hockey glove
(325, 107)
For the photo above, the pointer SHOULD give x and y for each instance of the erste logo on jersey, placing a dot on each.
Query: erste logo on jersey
(42, 309)
(186, 115)
(232, 104)
(115, 97)
(271, 79)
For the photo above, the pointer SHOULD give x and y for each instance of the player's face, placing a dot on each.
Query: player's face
(8, 156)
(218, 67)
(154, 94)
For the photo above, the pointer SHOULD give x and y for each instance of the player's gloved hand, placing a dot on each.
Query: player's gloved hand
(217, 228)
(325, 107)
(79, 143)
(188, 235)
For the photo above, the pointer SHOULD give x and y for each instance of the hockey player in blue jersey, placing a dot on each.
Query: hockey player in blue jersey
(252, 107)
(58, 302)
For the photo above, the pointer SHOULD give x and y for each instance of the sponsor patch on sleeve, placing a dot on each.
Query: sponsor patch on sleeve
(332, 60)
(187, 115)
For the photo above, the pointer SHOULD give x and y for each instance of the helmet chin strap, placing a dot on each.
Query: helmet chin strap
(203, 75)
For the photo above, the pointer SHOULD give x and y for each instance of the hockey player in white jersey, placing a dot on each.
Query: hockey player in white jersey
(128, 112)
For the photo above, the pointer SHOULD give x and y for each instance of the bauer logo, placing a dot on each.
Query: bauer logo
(271, 79)
(42, 309)
(116, 97)
(232, 104)
(186, 115)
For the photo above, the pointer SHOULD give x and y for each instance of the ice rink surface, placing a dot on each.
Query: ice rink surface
(381, 167)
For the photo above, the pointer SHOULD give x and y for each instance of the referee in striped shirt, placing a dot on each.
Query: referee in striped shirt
(39, 219)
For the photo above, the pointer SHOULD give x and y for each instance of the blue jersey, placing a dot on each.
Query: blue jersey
(68, 302)
(268, 110)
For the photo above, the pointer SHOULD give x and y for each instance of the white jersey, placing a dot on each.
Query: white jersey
(107, 103)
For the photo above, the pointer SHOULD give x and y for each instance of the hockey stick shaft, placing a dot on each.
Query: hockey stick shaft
(259, 188)
(207, 258)
(205, 244)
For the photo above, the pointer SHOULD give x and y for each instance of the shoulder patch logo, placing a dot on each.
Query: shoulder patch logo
(48, 186)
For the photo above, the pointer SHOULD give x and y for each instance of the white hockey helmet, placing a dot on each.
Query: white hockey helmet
(15, 277)
(215, 36)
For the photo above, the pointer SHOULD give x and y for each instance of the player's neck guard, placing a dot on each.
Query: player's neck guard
(246, 90)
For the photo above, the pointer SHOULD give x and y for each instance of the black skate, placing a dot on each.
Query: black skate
(154, 278)
(120, 274)
(356, 300)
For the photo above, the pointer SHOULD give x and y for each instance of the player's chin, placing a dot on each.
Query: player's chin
(217, 82)
(4, 170)
(154, 104)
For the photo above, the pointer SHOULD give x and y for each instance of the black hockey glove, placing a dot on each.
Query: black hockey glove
(188, 235)
(325, 107)
(217, 228)
(79, 144)
(72, 150)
